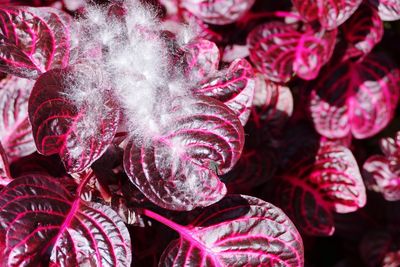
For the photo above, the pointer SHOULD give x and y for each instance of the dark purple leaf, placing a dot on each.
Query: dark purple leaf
(272, 104)
(40, 221)
(388, 9)
(36, 3)
(15, 129)
(237, 231)
(201, 59)
(33, 40)
(380, 248)
(332, 183)
(356, 97)
(217, 11)
(362, 31)
(279, 50)
(178, 169)
(254, 168)
(62, 127)
(330, 14)
(235, 88)
(5, 175)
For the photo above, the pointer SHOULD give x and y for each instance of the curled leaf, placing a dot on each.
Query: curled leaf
(235, 88)
(61, 126)
(178, 169)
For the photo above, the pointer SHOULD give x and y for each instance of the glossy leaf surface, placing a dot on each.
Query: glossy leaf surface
(279, 50)
(235, 88)
(15, 129)
(178, 169)
(356, 97)
(330, 14)
(62, 127)
(332, 183)
(33, 40)
(217, 11)
(201, 59)
(239, 230)
(39, 218)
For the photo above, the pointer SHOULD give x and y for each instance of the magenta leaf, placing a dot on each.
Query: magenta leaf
(332, 183)
(15, 129)
(362, 31)
(382, 172)
(239, 230)
(380, 178)
(178, 169)
(356, 97)
(388, 10)
(60, 126)
(330, 14)
(39, 218)
(235, 88)
(279, 50)
(33, 40)
(216, 11)
(201, 58)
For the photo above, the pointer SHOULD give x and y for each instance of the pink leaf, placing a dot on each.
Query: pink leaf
(178, 169)
(332, 183)
(379, 178)
(279, 50)
(15, 129)
(239, 230)
(33, 40)
(388, 10)
(356, 97)
(39, 218)
(216, 11)
(201, 59)
(62, 127)
(330, 14)
(362, 31)
(235, 88)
